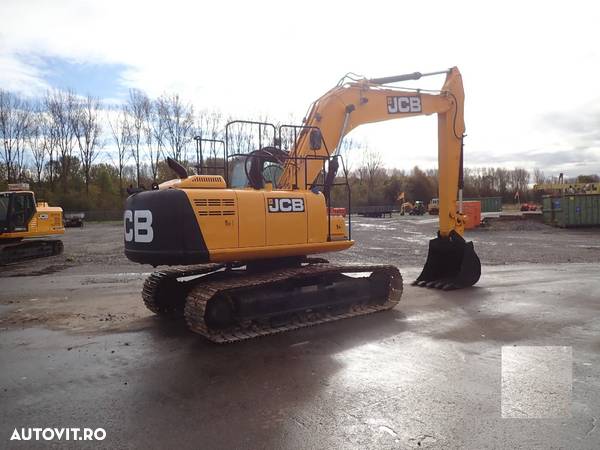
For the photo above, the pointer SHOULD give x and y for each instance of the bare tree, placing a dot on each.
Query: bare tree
(15, 124)
(290, 135)
(121, 136)
(372, 166)
(87, 130)
(39, 141)
(520, 180)
(210, 127)
(348, 150)
(155, 136)
(236, 136)
(51, 148)
(138, 109)
(503, 179)
(178, 120)
(538, 176)
(61, 107)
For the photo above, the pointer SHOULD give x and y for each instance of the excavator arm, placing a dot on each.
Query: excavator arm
(452, 262)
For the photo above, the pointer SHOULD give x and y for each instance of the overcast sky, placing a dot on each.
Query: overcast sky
(531, 69)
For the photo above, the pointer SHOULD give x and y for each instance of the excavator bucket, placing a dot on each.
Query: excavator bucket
(451, 264)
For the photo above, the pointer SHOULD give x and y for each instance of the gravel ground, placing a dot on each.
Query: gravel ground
(404, 241)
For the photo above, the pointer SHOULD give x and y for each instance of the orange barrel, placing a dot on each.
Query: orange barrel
(473, 212)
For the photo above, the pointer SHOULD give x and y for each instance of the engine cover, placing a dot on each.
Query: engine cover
(161, 229)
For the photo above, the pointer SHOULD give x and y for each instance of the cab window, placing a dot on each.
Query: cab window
(22, 209)
(4, 198)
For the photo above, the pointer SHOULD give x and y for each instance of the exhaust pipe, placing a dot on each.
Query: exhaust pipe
(451, 264)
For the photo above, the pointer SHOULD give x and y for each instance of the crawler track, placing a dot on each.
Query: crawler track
(26, 250)
(200, 296)
(164, 294)
(212, 283)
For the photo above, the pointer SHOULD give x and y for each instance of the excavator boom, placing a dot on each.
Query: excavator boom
(356, 103)
(452, 263)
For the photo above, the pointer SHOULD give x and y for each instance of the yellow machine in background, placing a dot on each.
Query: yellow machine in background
(568, 188)
(251, 236)
(21, 220)
(414, 209)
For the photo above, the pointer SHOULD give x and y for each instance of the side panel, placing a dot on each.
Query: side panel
(338, 229)
(277, 251)
(317, 217)
(286, 217)
(47, 220)
(251, 213)
(216, 211)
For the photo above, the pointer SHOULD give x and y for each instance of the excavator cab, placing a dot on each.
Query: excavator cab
(16, 210)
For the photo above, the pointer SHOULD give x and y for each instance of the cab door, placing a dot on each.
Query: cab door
(20, 211)
(4, 209)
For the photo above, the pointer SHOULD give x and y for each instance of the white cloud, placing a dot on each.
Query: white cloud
(520, 60)
(20, 77)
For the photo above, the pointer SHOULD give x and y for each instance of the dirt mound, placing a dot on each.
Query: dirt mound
(514, 224)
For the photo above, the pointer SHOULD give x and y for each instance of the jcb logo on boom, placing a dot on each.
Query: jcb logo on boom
(138, 226)
(405, 104)
(285, 205)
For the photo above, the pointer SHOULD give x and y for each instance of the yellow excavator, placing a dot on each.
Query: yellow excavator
(23, 222)
(245, 236)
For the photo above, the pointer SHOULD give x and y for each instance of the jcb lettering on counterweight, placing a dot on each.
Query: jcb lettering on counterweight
(404, 104)
(277, 205)
(138, 225)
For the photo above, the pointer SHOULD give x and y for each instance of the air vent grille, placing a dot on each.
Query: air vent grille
(215, 206)
(206, 179)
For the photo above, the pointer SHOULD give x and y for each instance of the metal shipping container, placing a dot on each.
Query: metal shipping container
(581, 210)
(488, 204)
